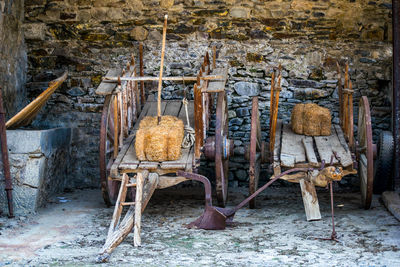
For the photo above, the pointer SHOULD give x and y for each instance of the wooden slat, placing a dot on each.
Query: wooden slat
(191, 113)
(324, 147)
(129, 160)
(177, 164)
(106, 88)
(189, 161)
(292, 150)
(309, 148)
(172, 108)
(342, 152)
(310, 200)
(114, 168)
(277, 146)
(219, 85)
(143, 114)
(153, 108)
(148, 165)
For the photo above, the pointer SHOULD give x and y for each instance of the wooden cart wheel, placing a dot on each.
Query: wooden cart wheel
(365, 151)
(221, 156)
(109, 188)
(255, 150)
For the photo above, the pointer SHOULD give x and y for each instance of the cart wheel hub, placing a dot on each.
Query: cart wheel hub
(209, 148)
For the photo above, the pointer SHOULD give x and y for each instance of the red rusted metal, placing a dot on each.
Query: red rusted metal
(216, 218)
(4, 156)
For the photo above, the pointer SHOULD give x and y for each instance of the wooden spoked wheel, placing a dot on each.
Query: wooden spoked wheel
(221, 153)
(107, 156)
(255, 151)
(365, 153)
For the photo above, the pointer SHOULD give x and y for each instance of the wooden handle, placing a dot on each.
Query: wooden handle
(161, 69)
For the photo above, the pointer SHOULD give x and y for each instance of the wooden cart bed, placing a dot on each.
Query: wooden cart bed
(127, 162)
(294, 150)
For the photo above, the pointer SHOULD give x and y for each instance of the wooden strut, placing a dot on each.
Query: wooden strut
(161, 70)
(172, 78)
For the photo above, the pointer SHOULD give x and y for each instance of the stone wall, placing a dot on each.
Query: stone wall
(12, 55)
(306, 37)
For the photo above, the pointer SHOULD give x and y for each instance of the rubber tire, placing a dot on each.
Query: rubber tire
(384, 163)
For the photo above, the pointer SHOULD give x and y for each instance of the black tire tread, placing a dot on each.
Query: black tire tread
(384, 163)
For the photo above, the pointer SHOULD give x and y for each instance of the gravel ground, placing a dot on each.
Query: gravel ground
(71, 230)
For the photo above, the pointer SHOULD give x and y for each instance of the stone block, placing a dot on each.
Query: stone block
(240, 12)
(247, 88)
(38, 165)
(34, 31)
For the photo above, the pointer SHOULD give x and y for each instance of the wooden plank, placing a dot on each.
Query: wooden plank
(191, 113)
(106, 88)
(143, 114)
(148, 165)
(310, 200)
(137, 241)
(168, 181)
(344, 156)
(324, 148)
(189, 161)
(153, 108)
(129, 160)
(218, 85)
(343, 150)
(177, 164)
(309, 148)
(172, 108)
(292, 150)
(114, 173)
(277, 146)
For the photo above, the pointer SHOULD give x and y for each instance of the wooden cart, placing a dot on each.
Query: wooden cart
(289, 150)
(121, 116)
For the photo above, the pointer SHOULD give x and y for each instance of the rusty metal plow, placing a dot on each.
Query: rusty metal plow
(216, 218)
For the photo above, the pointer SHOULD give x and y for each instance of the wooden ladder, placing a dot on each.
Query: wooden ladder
(145, 185)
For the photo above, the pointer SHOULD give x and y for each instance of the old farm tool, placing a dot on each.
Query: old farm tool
(217, 218)
(120, 168)
(4, 157)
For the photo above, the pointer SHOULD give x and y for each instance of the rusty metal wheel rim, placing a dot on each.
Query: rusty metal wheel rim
(221, 163)
(255, 160)
(366, 160)
(109, 188)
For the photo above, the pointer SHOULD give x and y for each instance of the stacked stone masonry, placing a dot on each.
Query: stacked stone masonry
(306, 37)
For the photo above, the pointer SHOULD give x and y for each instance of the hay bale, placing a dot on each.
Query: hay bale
(311, 119)
(159, 142)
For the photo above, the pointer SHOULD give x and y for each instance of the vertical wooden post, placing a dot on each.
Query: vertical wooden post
(351, 126)
(161, 70)
(214, 63)
(340, 93)
(138, 210)
(115, 110)
(142, 93)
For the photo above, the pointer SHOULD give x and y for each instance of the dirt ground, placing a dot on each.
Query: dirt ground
(71, 230)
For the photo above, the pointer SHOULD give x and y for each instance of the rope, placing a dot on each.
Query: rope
(189, 138)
